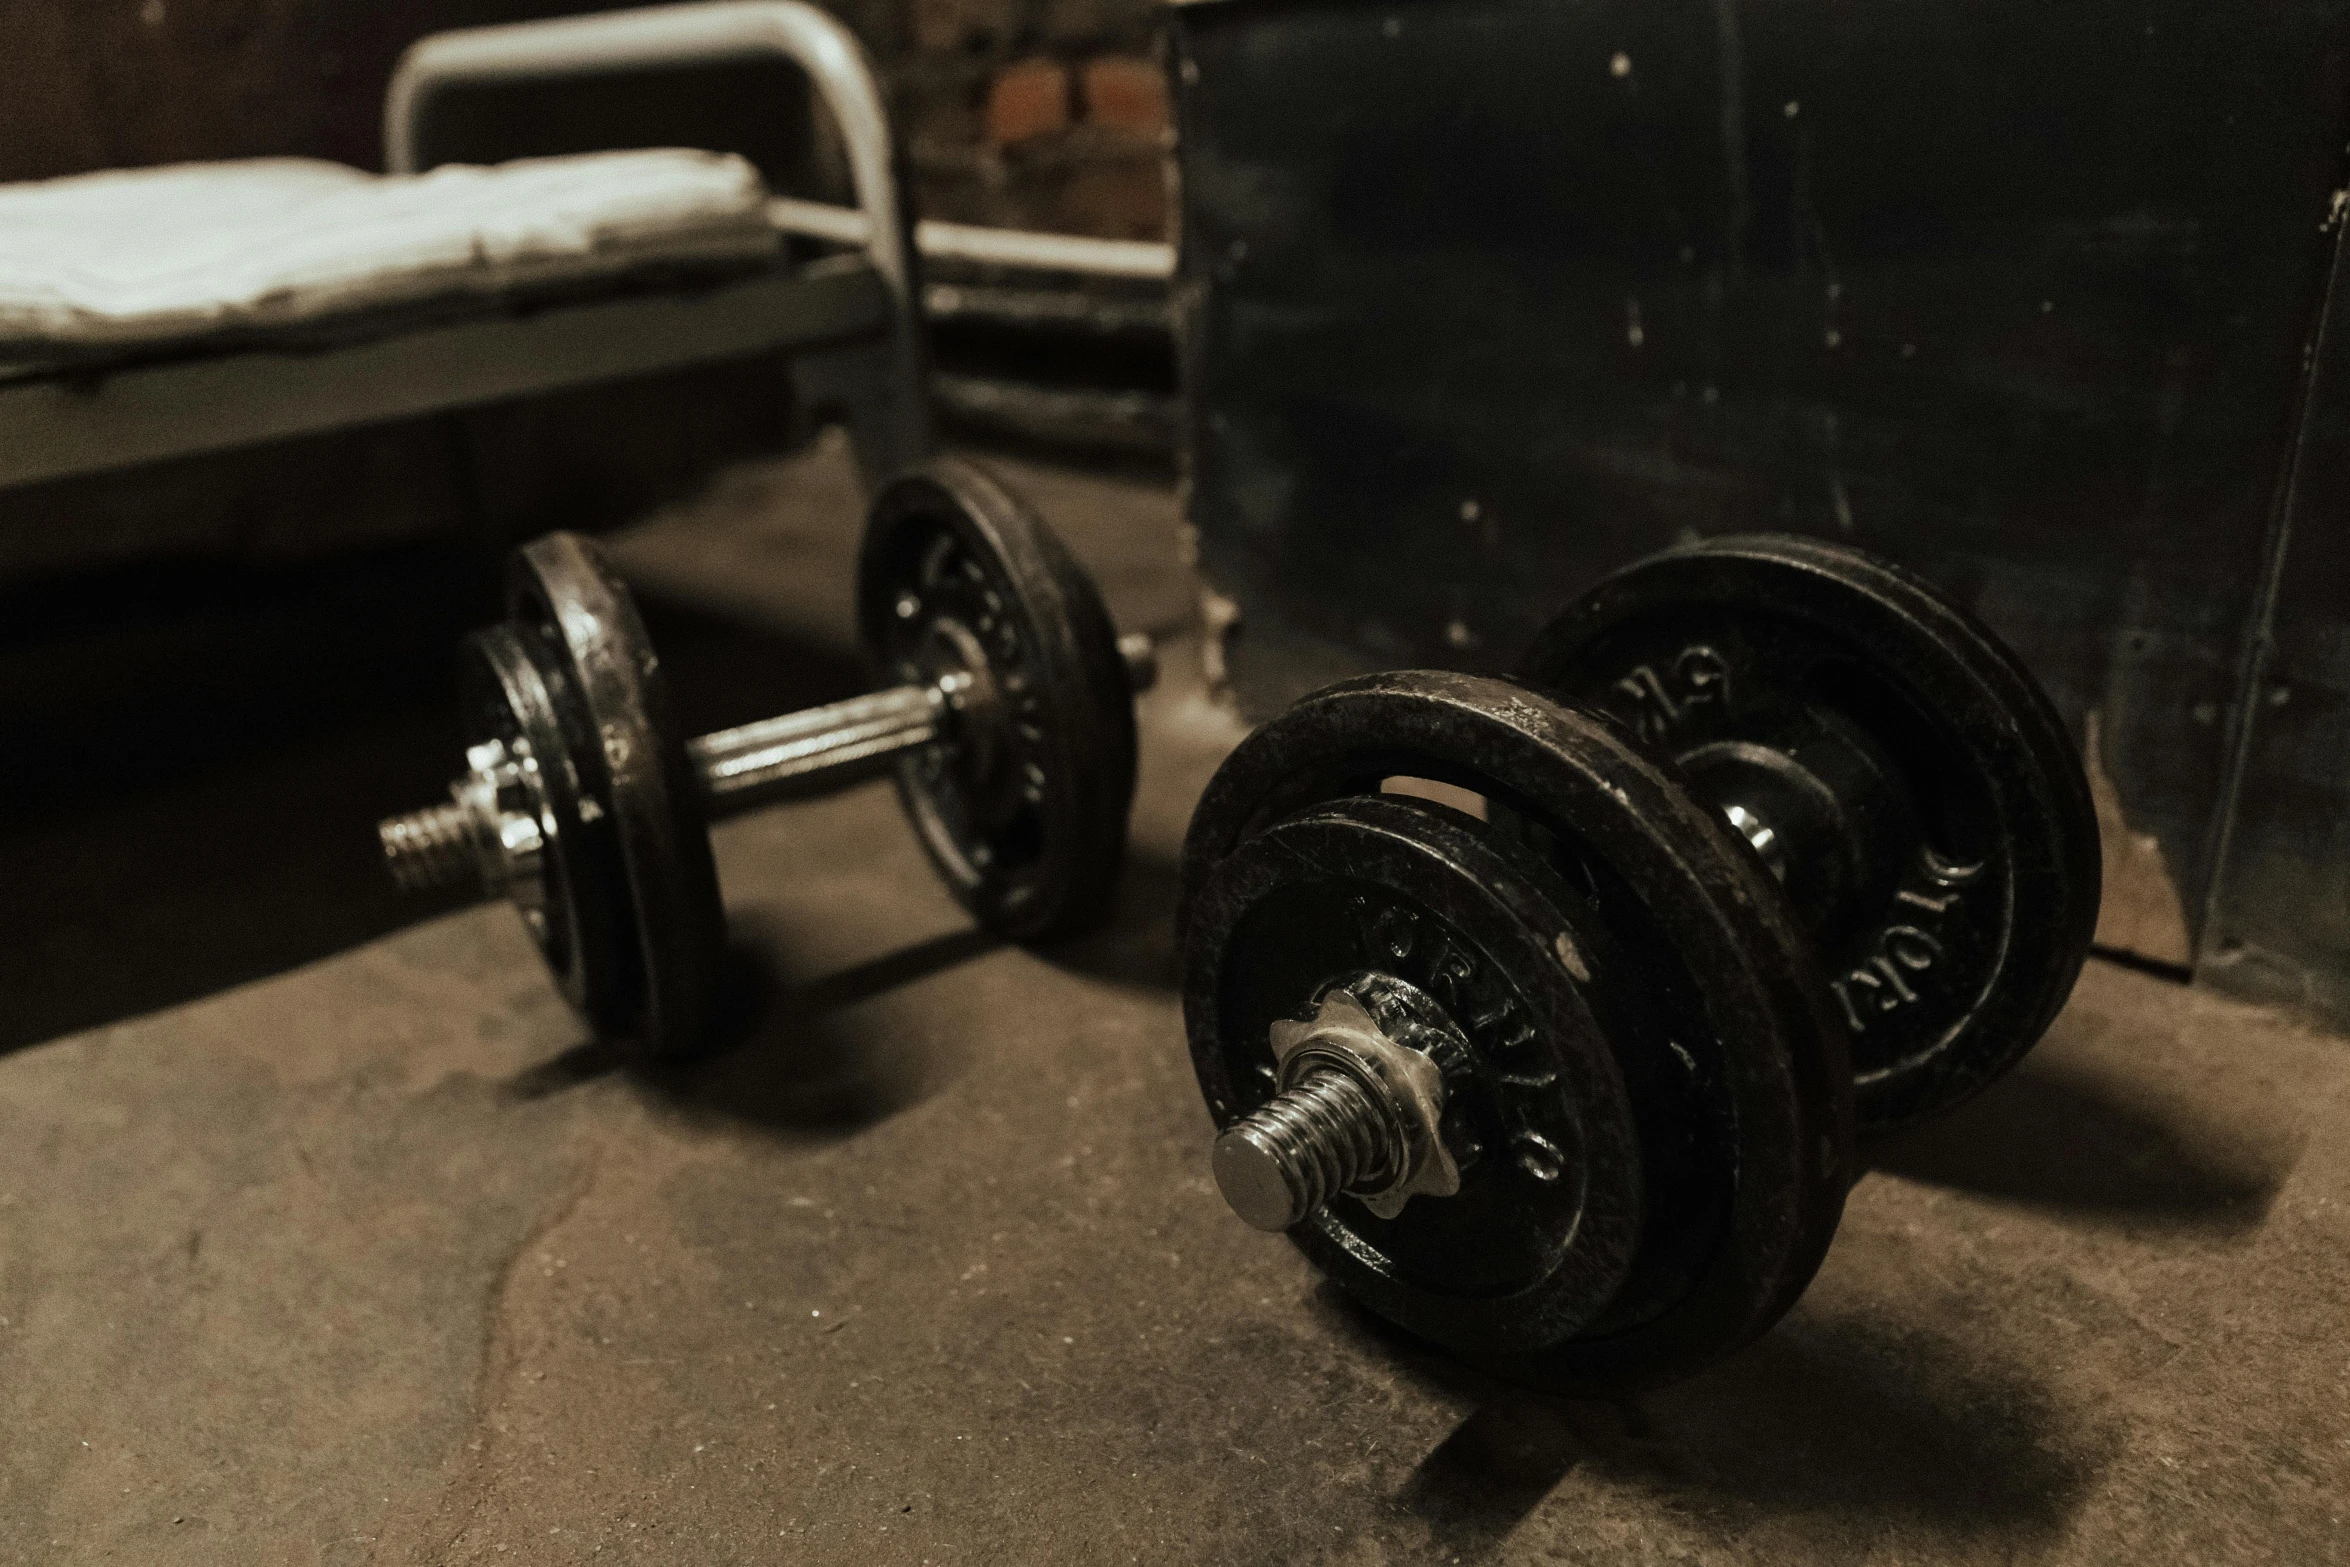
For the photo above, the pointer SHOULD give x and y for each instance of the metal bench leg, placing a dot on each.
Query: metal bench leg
(888, 426)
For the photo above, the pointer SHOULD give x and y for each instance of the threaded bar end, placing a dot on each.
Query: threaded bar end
(430, 848)
(1323, 1135)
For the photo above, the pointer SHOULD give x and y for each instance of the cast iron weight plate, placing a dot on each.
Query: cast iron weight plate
(579, 919)
(1952, 881)
(1025, 815)
(1542, 1232)
(1685, 1067)
(566, 605)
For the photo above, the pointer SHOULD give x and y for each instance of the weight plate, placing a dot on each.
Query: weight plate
(1951, 874)
(1024, 810)
(607, 690)
(1542, 1232)
(578, 917)
(1681, 961)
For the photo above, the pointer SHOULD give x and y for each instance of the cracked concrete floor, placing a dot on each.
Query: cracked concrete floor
(371, 1261)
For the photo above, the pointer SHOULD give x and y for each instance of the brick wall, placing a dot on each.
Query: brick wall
(1046, 114)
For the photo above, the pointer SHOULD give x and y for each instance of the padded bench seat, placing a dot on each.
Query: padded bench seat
(191, 257)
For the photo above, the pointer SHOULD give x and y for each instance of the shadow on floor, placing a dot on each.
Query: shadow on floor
(783, 1057)
(2053, 1134)
(194, 759)
(192, 777)
(1482, 1481)
(1137, 947)
(802, 1058)
(1823, 1417)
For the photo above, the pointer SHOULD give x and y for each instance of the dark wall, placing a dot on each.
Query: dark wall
(88, 84)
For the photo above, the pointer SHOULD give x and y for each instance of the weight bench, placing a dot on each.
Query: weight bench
(156, 313)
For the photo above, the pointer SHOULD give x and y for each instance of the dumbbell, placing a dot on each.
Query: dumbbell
(1773, 847)
(1009, 724)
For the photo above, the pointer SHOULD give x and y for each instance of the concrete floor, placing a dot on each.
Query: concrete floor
(375, 1261)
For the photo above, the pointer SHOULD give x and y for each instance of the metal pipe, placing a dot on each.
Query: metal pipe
(816, 750)
(820, 749)
(1144, 260)
(710, 33)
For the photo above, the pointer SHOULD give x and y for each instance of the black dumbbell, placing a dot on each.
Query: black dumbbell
(1776, 844)
(1010, 728)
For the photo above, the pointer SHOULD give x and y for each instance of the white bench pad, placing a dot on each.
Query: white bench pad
(96, 265)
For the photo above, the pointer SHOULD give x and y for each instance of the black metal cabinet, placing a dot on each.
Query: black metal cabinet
(1482, 298)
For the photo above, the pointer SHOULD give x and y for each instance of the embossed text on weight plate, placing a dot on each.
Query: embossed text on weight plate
(1397, 940)
(1660, 702)
(1908, 946)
